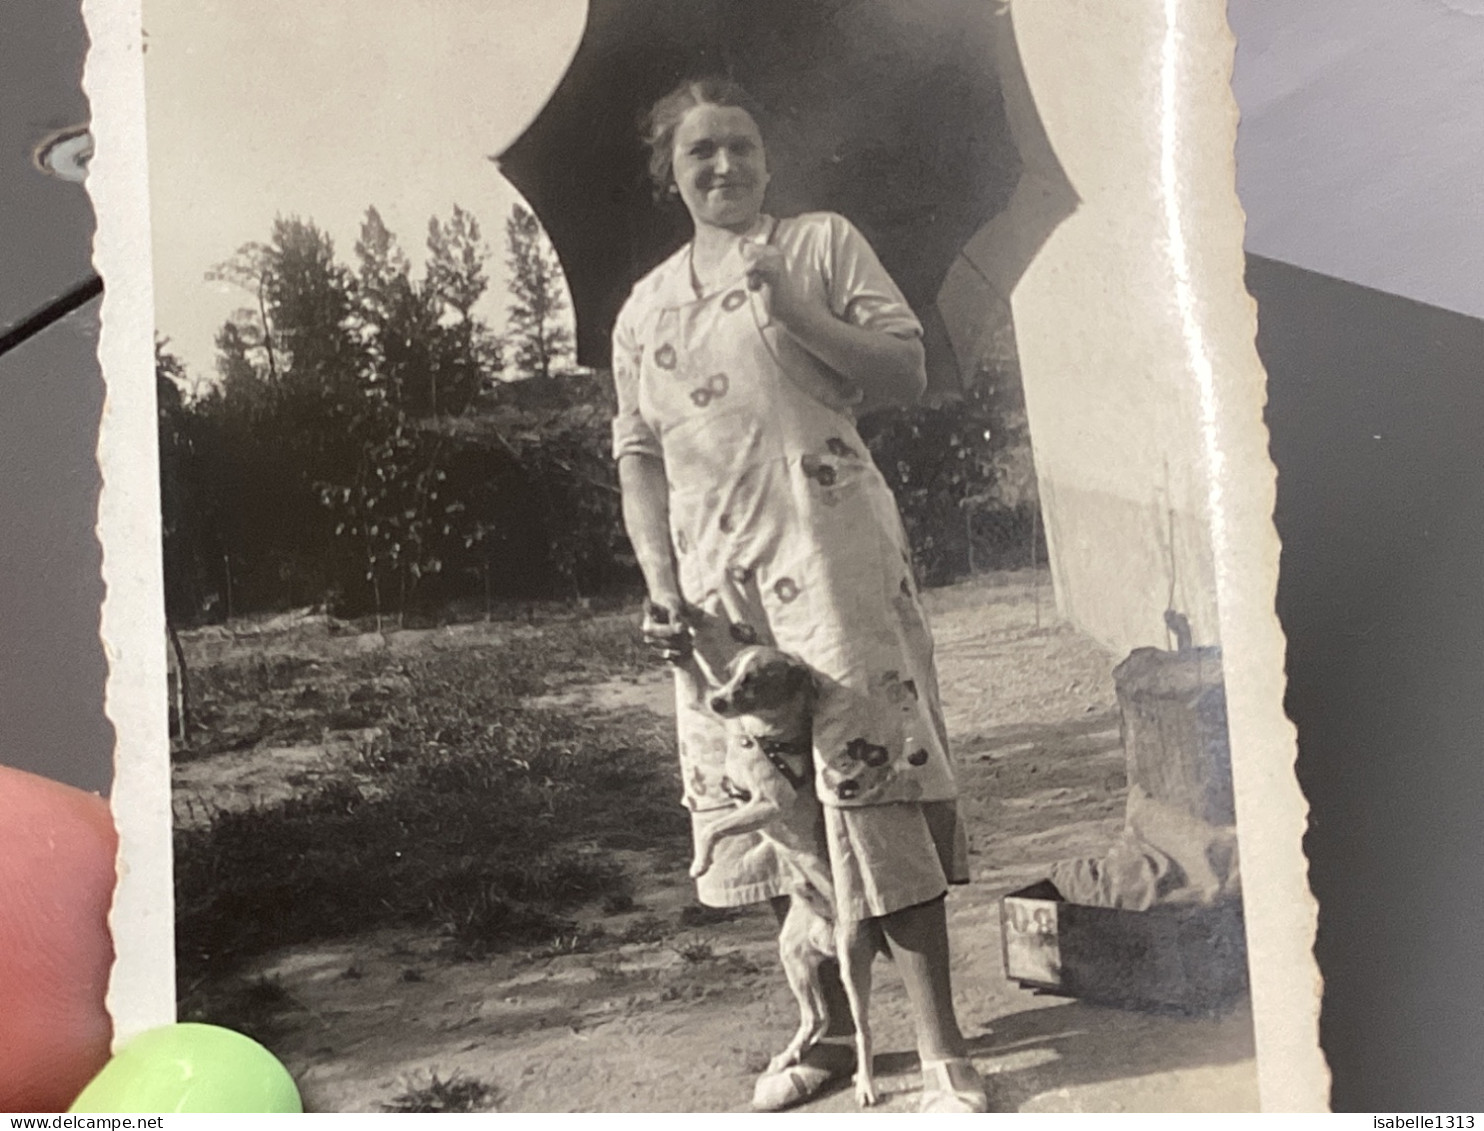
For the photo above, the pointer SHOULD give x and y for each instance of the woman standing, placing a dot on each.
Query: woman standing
(757, 515)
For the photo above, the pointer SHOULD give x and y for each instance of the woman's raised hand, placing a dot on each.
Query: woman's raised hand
(666, 629)
(874, 364)
(766, 267)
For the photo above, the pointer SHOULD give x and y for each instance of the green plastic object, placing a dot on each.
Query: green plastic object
(194, 1068)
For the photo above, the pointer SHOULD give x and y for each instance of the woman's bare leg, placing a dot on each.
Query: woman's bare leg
(918, 938)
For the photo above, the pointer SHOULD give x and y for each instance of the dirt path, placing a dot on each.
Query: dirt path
(682, 1017)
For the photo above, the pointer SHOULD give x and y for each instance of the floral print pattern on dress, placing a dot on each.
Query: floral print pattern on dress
(870, 753)
(785, 589)
(899, 691)
(814, 468)
(733, 300)
(743, 633)
(714, 389)
(854, 778)
(665, 356)
(838, 447)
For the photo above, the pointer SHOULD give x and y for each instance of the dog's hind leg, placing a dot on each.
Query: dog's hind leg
(857, 945)
(801, 960)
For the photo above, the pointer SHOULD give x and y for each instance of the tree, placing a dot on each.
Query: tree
(397, 320)
(236, 341)
(175, 518)
(465, 351)
(353, 450)
(294, 370)
(538, 334)
(428, 356)
(427, 346)
(387, 506)
(456, 258)
(177, 509)
(302, 328)
(250, 269)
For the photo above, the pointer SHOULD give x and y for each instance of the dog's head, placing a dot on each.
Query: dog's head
(762, 681)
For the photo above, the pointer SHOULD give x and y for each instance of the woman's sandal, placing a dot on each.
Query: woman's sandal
(823, 1065)
(952, 1085)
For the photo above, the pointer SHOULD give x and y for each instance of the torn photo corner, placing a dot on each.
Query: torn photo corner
(398, 785)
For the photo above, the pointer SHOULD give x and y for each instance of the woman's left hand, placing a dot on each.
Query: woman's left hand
(766, 267)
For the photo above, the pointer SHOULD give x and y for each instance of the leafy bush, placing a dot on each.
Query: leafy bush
(963, 480)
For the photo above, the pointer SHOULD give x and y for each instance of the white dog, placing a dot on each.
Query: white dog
(767, 699)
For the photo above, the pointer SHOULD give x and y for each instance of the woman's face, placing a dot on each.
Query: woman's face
(720, 166)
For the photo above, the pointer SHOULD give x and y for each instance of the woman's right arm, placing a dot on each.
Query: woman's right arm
(646, 501)
(646, 517)
(641, 467)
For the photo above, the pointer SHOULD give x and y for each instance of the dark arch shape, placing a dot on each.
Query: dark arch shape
(890, 112)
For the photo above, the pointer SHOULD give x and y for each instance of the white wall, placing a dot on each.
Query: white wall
(1110, 369)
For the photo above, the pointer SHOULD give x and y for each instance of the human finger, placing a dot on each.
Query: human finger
(57, 848)
(668, 615)
(764, 263)
(671, 650)
(666, 633)
(761, 253)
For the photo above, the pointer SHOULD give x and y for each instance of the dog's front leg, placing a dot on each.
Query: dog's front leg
(800, 962)
(748, 817)
(855, 943)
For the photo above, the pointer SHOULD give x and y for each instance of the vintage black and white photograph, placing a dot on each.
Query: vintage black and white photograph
(695, 556)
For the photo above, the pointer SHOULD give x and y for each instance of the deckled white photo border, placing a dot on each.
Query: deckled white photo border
(141, 991)
(1204, 243)
(1204, 227)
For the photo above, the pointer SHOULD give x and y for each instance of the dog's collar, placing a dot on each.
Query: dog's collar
(779, 750)
(800, 746)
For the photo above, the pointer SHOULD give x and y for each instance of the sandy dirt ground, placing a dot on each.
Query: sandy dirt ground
(684, 1019)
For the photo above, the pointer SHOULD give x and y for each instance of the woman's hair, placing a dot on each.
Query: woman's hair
(659, 125)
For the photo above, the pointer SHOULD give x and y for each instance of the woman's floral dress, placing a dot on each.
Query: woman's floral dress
(783, 529)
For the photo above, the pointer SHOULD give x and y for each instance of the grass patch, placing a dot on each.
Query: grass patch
(572, 940)
(473, 815)
(647, 929)
(284, 698)
(457, 1093)
(694, 951)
